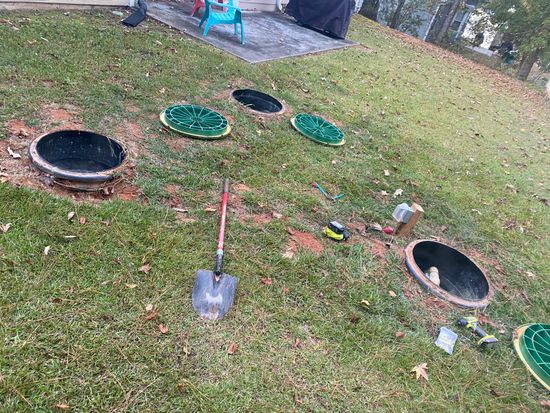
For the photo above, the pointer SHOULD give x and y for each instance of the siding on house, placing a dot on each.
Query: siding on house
(72, 3)
(260, 5)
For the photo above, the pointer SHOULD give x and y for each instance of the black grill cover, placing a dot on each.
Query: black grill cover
(332, 16)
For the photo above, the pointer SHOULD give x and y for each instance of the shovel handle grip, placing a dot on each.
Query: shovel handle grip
(219, 252)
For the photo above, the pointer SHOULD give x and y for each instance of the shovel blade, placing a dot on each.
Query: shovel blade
(213, 298)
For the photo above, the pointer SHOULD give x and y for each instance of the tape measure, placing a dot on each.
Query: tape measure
(336, 231)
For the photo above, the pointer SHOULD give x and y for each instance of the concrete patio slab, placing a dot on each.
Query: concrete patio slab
(268, 36)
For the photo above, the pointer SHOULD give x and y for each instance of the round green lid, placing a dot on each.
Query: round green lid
(318, 129)
(195, 121)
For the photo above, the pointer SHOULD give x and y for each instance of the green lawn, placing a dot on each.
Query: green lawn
(73, 323)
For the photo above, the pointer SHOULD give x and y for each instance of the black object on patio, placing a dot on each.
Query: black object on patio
(328, 16)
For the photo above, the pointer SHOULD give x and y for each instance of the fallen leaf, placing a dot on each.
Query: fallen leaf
(545, 403)
(181, 387)
(5, 228)
(145, 268)
(333, 162)
(209, 209)
(354, 318)
(151, 315)
(13, 154)
(71, 215)
(266, 281)
(375, 226)
(386, 172)
(420, 371)
(529, 274)
(392, 293)
(233, 347)
(388, 230)
(69, 237)
(365, 303)
(276, 215)
(130, 286)
(163, 329)
(149, 307)
(47, 250)
(399, 334)
(82, 220)
(285, 290)
(397, 193)
(483, 319)
(62, 406)
(383, 193)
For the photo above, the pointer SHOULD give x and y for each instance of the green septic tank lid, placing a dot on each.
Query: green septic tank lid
(532, 343)
(195, 121)
(318, 129)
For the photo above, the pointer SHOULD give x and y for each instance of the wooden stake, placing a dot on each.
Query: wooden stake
(405, 229)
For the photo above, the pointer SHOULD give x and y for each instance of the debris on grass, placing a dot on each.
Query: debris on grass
(233, 347)
(421, 371)
(266, 281)
(163, 329)
(71, 215)
(47, 250)
(82, 220)
(399, 334)
(130, 286)
(13, 154)
(398, 192)
(5, 227)
(145, 268)
(392, 294)
(446, 339)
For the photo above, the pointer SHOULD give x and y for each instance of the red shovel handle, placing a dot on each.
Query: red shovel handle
(219, 252)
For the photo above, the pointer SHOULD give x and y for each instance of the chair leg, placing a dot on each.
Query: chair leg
(235, 26)
(206, 28)
(242, 33)
(195, 8)
(204, 17)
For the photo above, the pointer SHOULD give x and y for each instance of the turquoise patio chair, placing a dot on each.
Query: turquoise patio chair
(231, 15)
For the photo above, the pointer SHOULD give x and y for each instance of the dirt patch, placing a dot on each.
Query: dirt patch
(303, 240)
(240, 188)
(18, 128)
(54, 116)
(376, 247)
(262, 219)
(178, 144)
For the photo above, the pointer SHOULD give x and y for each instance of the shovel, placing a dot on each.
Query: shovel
(214, 291)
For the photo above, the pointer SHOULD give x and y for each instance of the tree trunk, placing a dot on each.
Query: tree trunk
(527, 64)
(394, 24)
(455, 4)
(370, 9)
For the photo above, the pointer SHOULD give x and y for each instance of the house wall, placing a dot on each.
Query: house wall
(26, 4)
(260, 5)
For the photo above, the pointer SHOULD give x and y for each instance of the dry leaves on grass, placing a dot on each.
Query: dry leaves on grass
(152, 315)
(82, 220)
(421, 371)
(267, 281)
(545, 404)
(149, 307)
(13, 154)
(163, 329)
(71, 215)
(47, 250)
(399, 334)
(145, 268)
(392, 293)
(62, 406)
(233, 347)
(130, 286)
(5, 227)
(398, 192)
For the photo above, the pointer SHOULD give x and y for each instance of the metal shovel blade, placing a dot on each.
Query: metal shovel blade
(213, 298)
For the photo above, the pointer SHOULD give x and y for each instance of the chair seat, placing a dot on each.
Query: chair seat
(223, 17)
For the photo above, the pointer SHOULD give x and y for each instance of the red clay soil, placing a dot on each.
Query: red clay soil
(303, 240)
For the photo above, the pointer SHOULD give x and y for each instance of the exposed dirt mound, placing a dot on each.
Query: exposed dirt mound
(303, 240)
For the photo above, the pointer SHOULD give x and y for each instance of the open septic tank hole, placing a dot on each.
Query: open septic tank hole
(76, 155)
(258, 101)
(462, 282)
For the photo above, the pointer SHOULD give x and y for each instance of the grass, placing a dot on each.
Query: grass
(73, 323)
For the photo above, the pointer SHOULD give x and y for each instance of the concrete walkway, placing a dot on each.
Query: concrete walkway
(268, 36)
